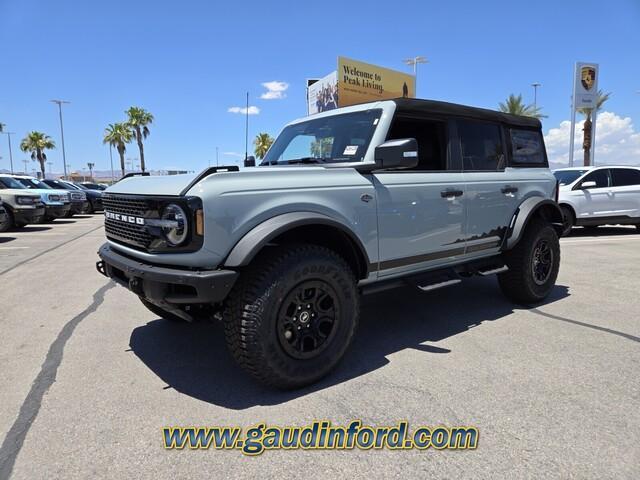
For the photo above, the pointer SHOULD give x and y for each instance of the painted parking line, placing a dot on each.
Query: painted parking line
(13, 248)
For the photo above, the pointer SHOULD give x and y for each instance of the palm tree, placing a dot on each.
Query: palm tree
(139, 121)
(516, 106)
(118, 135)
(262, 143)
(37, 143)
(587, 129)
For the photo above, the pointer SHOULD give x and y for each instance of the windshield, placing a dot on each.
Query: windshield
(8, 182)
(567, 177)
(32, 183)
(336, 138)
(60, 185)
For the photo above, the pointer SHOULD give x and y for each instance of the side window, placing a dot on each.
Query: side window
(527, 148)
(431, 136)
(622, 177)
(601, 177)
(481, 146)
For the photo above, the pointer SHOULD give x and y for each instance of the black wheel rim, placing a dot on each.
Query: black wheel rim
(308, 319)
(542, 262)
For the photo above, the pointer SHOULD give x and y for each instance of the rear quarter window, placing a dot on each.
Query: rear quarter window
(527, 148)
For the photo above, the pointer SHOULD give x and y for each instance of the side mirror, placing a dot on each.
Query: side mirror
(587, 185)
(397, 154)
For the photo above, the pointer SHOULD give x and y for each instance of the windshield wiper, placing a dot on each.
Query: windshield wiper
(305, 160)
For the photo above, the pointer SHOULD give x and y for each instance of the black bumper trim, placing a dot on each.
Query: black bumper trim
(56, 211)
(163, 285)
(28, 215)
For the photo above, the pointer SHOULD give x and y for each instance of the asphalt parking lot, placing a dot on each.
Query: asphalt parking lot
(88, 376)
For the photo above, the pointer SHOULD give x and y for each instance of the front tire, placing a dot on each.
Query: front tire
(292, 315)
(8, 223)
(533, 264)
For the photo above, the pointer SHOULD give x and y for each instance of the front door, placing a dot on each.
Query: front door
(594, 201)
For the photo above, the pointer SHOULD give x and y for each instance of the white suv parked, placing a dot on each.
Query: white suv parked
(593, 196)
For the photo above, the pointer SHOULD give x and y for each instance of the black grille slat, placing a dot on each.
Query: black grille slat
(128, 233)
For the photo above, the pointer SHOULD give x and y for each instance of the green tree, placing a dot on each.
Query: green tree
(262, 142)
(587, 129)
(118, 135)
(322, 148)
(516, 106)
(139, 121)
(36, 143)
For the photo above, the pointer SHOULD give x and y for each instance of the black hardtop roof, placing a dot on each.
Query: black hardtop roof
(420, 106)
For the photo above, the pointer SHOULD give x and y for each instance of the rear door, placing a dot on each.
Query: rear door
(490, 197)
(625, 185)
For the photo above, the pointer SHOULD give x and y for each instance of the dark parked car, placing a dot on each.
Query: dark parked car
(79, 202)
(94, 196)
(94, 186)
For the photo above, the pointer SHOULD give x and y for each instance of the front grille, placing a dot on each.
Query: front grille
(128, 233)
(78, 196)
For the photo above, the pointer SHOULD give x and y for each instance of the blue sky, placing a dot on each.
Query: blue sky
(188, 62)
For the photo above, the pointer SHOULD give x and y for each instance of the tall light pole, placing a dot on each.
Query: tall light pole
(414, 61)
(10, 152)
(246, 131)
(535, 86)
(64, 158)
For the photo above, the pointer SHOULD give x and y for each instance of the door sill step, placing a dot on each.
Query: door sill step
(492, 271)
(434, 286)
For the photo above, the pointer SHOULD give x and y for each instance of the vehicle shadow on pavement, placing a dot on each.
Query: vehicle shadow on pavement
(6, 239)
(602, 231)
(193, 359)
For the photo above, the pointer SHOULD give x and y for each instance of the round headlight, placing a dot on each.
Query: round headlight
(177, 233)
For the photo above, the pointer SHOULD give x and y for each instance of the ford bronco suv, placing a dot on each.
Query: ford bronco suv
(346, 202)
(22, 206)
(56, 202)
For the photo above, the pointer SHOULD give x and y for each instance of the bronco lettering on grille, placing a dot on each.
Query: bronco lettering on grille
(124, 218)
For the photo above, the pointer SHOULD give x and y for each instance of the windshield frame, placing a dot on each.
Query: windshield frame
(388, 108)
(29, 183)
(9, 182)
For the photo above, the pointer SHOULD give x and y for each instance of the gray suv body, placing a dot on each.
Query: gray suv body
(345, 202)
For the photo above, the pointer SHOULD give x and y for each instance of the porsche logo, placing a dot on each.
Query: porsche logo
(588, 77)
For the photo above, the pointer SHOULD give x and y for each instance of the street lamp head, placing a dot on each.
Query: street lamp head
(414, 60)
(59, 102)
(536, 84)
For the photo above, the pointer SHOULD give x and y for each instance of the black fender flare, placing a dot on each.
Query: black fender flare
(252, 242)
(527, 209)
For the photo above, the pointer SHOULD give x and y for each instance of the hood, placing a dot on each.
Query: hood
(299, 175)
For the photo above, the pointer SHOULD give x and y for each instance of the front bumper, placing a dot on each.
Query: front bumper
(79, 206)
(56, 211)
(28, 215)
(163, 286)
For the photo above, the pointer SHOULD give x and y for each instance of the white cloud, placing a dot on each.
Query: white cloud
(617, 142)
(275, 90)
(243, 110)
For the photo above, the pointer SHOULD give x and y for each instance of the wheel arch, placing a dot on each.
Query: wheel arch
(306, 227)
(533, 207)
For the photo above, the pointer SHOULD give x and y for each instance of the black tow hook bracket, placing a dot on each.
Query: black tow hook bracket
(135, 285)
(100, 267)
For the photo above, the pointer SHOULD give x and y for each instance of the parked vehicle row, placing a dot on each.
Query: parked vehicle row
(27, 200)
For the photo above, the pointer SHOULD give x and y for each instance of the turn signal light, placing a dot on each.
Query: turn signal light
(199, 222)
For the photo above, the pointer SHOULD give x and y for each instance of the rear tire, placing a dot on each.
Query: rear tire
(292, 315)
(90, 209)
(156, 310)
(568, 220)
(533, 264)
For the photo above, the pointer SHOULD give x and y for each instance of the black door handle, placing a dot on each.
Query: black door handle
(509, 189)
(448, 193)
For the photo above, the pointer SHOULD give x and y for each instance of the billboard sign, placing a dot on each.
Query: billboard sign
(360, 82)
(322, 95)
(585, 85)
